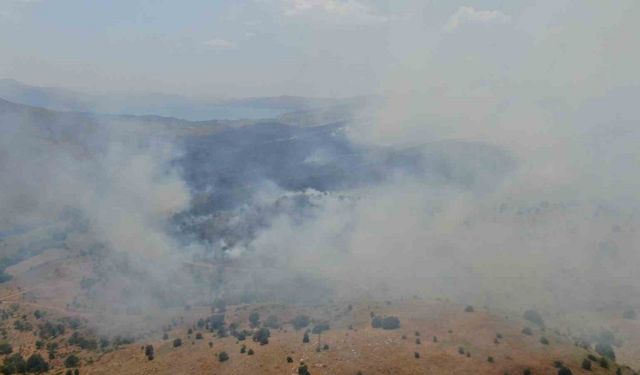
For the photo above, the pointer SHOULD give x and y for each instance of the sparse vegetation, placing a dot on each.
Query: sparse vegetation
(254, 319)
(300, 322)
(36, 364)
(71, 361)
(149, 352)
(534, 317)
(606, 350)
(303, 370)
(262, 336)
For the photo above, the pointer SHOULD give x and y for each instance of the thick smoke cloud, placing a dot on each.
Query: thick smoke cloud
(549, 232)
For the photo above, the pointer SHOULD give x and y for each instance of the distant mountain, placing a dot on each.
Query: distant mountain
(166, 105)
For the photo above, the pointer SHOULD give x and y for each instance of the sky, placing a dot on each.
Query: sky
(335, 48)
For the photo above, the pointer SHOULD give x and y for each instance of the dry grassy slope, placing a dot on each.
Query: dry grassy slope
(372, 351)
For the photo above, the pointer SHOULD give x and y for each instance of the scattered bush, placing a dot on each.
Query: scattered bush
(250, 352)
(418, 342)
(300, 322)
(490, 359)
(289, 360)
(305, 338)
(325, 347)
(469, 309)
(564, 371)
(72, 361)
(272, 322)
(606, 350)
(177, 342)
(254, 319)
(5, 348)
(149, 352)
(460, 350)
(199, 336)
(592, 358)
(223, 356)
(527, 331)
(83, 342)
(262, 336)
(534, 317)
(586, 364)
(303, 370)
(37, 364)
(544, 340)
(391, 322)
(14, 364)
(376, 322)
(320, 327)
(526, 371)
(416, 355)
(603, 362)
(243, 349)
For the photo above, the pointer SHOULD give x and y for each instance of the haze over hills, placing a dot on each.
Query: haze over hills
(194, 109)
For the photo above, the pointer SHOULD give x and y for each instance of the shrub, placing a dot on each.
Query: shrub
(416, 355)
(376, 322)
(165, 336)
(262, 336)
(490, 359)
(606, 350)
(303, 370)
(526, 371)
(592, 358)
(435, 338)
(527, 331)
(418, 342)
(586, 364)
(72, 361)
(198, 336)
(83, 342)
(223, 356)
(215, 322)
(300, 321)
(320, 327)
(325, 347)
(14, 364)
(37, 364)
(289, 360)
(564, 371)
(469, 309)
(305, 338)
(250, 352)
(460, 350)
(177, 342)
(254, 319)
(544, 341)
(5, 348)
(272, 322)
(390, 322)
(603, 362)
(534, 317)
(149, 352)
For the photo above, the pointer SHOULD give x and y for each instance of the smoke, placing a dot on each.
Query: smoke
(547, 226)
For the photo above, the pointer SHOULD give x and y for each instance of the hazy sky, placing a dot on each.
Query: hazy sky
(313, 47)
